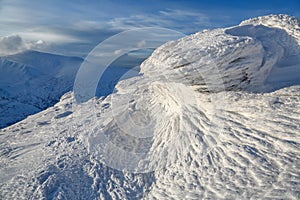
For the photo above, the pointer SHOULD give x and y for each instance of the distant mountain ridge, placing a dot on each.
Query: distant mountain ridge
(32, 81)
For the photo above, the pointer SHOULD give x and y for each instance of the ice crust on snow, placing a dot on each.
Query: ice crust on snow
(215, 115)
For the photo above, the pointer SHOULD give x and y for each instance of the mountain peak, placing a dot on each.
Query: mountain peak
(289, 23)
(239, 58)
(272, 20)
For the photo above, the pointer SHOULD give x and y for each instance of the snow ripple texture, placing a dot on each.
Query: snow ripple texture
(230, 135)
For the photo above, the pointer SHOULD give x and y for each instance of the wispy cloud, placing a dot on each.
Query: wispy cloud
(87, 32)
(198, 18)
(181, 20)
(69, 26)
(49, 36)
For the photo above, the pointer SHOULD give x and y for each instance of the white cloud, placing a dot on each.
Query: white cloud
(11, 44)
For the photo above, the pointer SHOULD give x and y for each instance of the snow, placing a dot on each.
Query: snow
(214, 115)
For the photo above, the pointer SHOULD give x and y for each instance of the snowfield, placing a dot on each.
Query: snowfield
(214, 115)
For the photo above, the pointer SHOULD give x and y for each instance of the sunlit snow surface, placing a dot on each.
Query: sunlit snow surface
(215, 115)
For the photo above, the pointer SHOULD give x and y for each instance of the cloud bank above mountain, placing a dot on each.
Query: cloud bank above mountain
(13, 44)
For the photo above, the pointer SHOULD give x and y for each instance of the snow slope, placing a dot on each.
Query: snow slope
(211, 117)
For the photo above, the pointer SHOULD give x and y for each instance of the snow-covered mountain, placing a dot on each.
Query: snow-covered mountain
(32, 81)
(214, 115)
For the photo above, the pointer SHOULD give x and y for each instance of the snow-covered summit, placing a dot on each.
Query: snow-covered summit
(215, 115)
(288, 23)
(240, 57)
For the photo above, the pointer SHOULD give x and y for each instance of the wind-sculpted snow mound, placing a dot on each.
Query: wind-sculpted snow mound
(198, 124)
(288, 23)
(236, 58)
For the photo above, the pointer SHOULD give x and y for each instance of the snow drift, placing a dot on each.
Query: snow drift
(215, 115)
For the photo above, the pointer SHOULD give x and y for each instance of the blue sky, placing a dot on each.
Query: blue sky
(75, 27)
